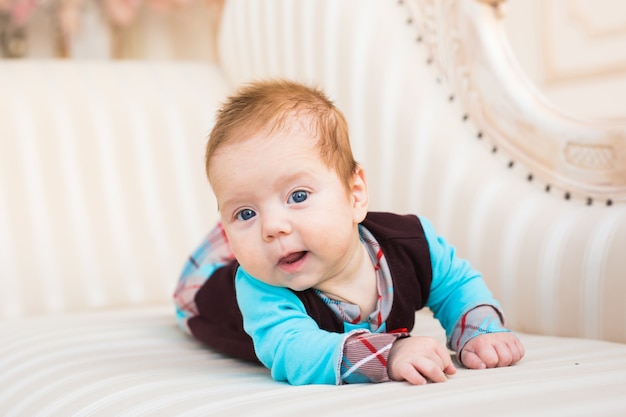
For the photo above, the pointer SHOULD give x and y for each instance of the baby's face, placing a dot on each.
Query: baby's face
(289, 219)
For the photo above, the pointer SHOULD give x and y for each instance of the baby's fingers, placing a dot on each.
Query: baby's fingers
(472, 361)
(418, 360)
(430, 370)
(518, 351)
(510, 353)
(446, 362)
(410, 374)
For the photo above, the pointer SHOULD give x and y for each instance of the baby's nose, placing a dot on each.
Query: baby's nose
(274, 225)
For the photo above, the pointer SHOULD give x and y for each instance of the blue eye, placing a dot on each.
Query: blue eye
(298, 196)
(245, 214)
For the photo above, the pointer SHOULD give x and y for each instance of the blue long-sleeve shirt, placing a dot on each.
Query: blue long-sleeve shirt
(291, 344)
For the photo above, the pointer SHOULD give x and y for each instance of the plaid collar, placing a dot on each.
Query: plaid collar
(351, 313)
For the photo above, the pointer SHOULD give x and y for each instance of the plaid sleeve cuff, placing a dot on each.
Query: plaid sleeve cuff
(480, 320)
(365, 357)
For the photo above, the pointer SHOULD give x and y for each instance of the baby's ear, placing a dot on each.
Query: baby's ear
(359, 194)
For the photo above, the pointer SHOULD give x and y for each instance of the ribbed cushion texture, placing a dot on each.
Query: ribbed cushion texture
(131, 363)
(102, 185)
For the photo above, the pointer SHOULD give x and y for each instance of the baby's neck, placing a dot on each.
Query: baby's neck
(362, 290)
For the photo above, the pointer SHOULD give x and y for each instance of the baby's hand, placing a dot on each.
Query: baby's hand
(419, 359)
(491, 350)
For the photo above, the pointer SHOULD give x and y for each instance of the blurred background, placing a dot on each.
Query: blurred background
(574, 51)
(109, 29)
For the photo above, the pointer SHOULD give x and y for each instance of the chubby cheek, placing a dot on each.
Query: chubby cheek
(330, 236)
(247, 252)
(236, 241)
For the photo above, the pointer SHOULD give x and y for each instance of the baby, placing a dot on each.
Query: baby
(300, 276)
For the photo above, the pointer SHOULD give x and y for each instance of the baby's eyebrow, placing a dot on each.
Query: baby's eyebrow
(225, 204)
(297, 175)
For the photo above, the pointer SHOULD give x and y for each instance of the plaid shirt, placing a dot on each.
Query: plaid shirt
(365, 352)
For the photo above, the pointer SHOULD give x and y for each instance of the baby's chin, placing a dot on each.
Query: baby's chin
(299, 288)
(295, 284)
(299, 285)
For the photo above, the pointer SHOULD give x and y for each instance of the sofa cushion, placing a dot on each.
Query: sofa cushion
(135, 362)
(102, 186)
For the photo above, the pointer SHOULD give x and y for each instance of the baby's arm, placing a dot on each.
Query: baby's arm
(286, 339)
(467, 310)
(290, 343)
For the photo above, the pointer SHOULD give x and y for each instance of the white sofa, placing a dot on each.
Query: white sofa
(103, 196)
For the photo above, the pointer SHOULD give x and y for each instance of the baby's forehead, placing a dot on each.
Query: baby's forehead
(295, 134)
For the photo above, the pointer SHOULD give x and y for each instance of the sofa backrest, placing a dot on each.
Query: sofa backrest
(448, 127)
(102, 188)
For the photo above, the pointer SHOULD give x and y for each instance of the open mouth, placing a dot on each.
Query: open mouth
(292, 258)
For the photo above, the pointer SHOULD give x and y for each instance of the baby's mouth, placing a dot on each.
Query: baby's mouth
(292, 258)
